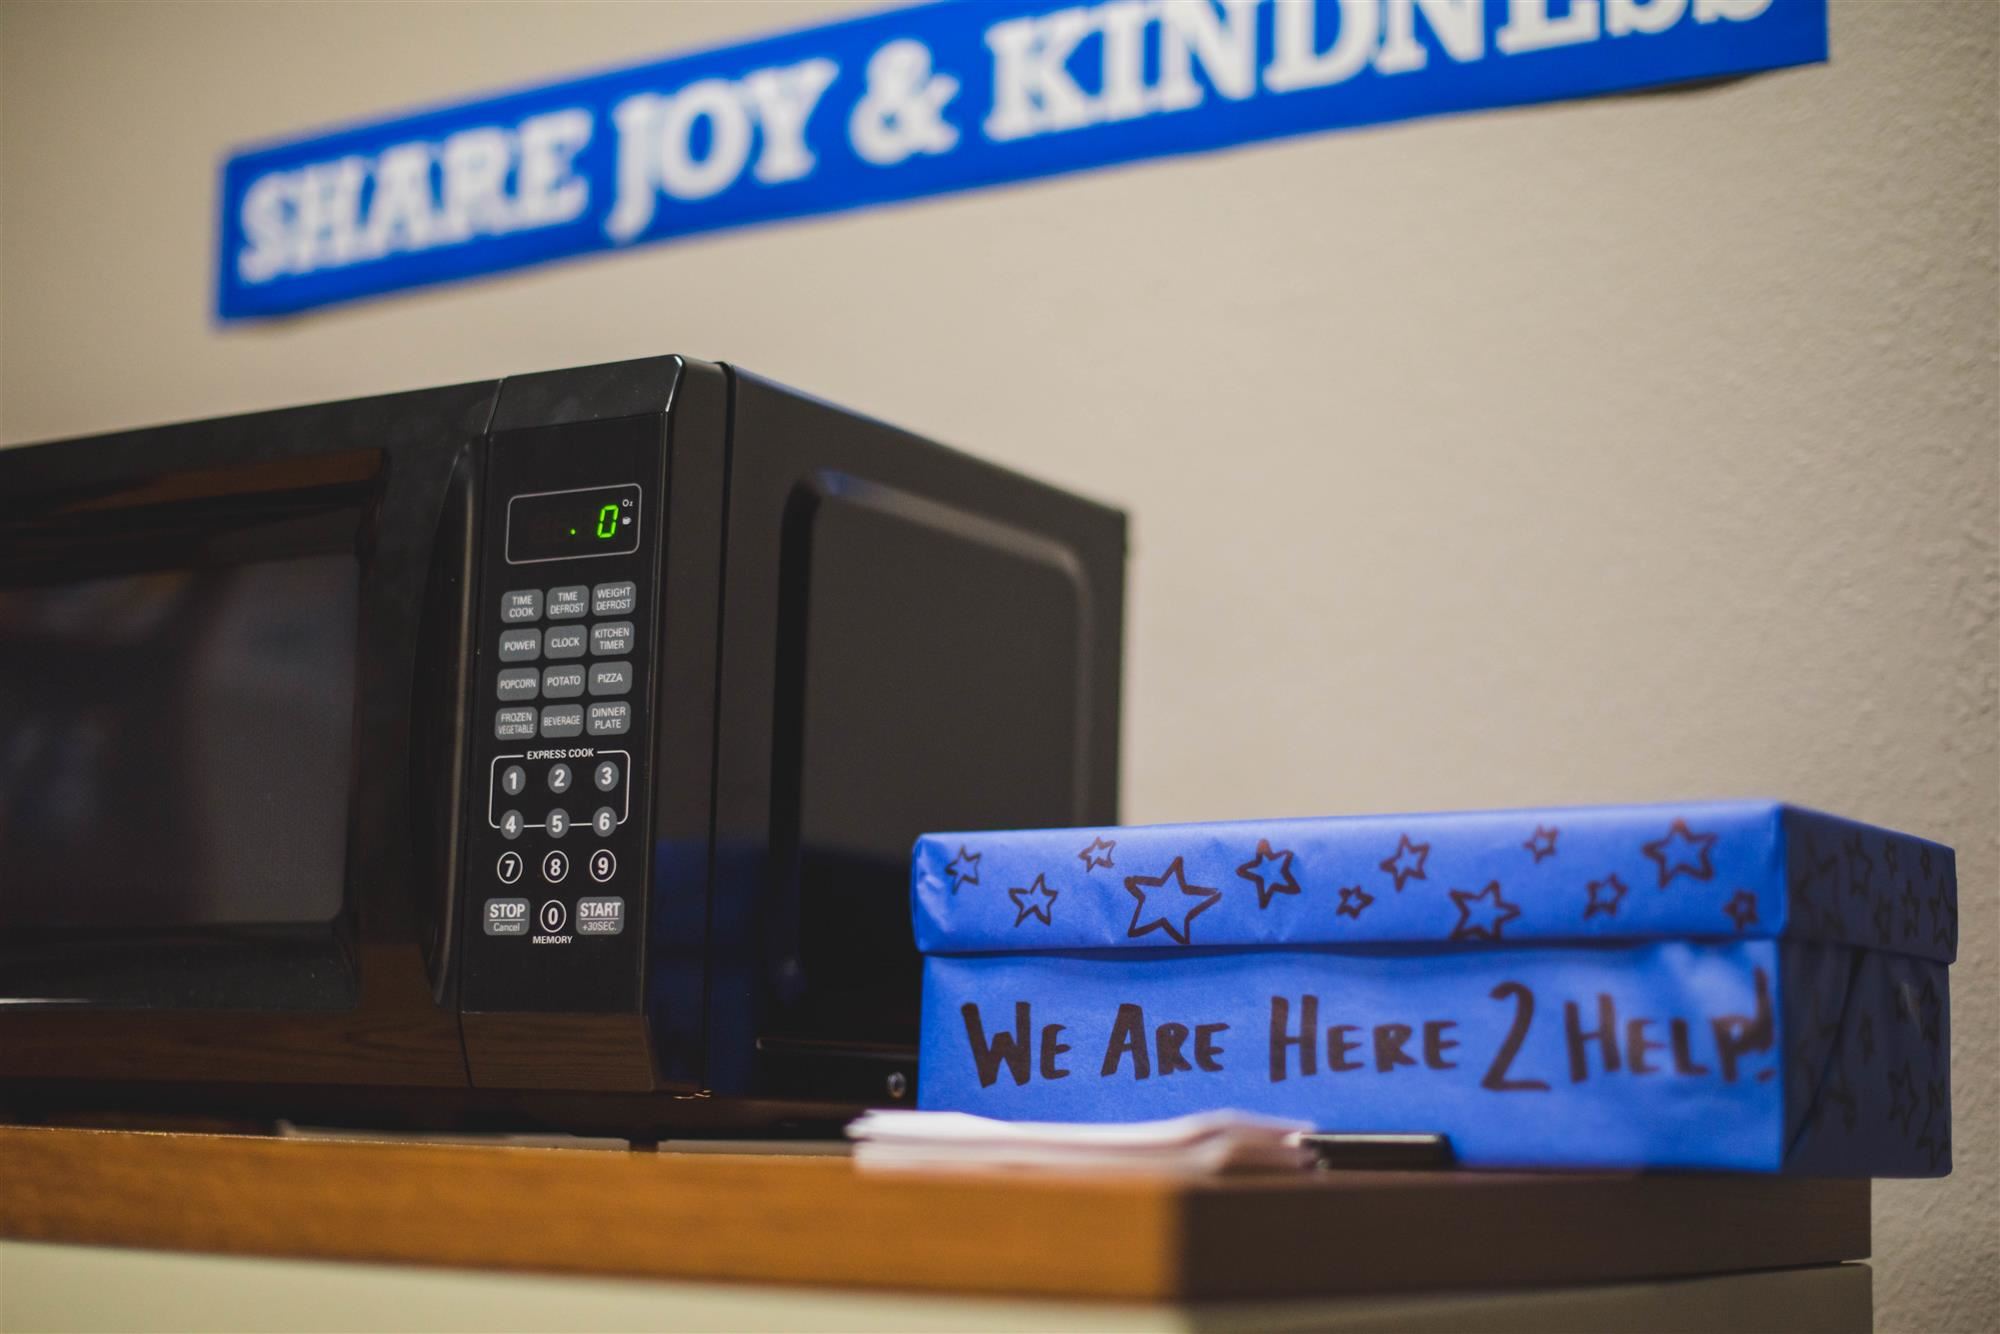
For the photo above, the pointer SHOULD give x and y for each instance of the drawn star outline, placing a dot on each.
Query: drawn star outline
(1902, 1097)
(1605, 896)
(1941, 934)
(1838, 1093)
(1885, 932)
(1036, 900)
(1491, 912)
(1161, 897)
(1682, 852)
(1936, 1142)
(1860, 866)
(1542, 843)
(1271, 871)
(1097, 854)
(964, 868)
(1930, 1014)
(1742, 910)
(1354, 901)
(1394, 863)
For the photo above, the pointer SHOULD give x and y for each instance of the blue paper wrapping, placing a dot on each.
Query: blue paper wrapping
(1743, 986)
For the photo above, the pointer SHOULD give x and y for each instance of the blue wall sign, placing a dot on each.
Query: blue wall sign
(914, 102)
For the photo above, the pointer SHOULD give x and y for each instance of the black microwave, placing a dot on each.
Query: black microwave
(540, 752)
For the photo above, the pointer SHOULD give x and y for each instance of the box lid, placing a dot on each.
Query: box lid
(1606, 874)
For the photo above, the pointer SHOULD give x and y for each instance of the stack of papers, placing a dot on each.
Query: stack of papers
(1204, 1144)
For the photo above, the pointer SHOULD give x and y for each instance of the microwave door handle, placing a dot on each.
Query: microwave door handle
(441, 672)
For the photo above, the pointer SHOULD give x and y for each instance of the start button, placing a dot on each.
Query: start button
(600, 917)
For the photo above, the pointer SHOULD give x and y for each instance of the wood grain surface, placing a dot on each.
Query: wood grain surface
(793, 1219)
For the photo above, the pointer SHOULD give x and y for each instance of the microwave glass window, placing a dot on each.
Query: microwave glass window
(174, 746)
(558, 525)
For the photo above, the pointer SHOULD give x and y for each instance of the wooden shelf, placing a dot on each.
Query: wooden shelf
(777, 1218)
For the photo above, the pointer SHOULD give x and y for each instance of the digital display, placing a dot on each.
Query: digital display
(564, 525)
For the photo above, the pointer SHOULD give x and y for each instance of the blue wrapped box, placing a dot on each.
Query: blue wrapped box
(1735, 985)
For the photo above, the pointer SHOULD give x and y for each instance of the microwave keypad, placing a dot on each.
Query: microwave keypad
(560, 800)
(566, 643)
(581, 798)
(533, 789)
(528, 792)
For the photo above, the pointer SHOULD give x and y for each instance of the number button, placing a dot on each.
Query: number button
(510, 825)
(604, 820)
(605, 776)
(513, 779)
(553, 915)
(559, 779)
(558, 822)
(554, 867)
(603, 865)
(509, 867)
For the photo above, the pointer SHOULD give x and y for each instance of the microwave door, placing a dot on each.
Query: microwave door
(231, 732)
(869, 574)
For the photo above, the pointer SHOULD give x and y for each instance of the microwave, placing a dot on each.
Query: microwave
(543, 752)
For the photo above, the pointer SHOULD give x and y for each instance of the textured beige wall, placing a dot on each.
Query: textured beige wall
(1618, 450)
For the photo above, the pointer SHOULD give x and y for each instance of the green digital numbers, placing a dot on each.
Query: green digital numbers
(607, 521)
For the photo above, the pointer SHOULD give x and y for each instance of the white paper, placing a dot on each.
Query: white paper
(1207, 1143)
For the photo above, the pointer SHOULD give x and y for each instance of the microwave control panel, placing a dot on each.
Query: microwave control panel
(557, 862)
